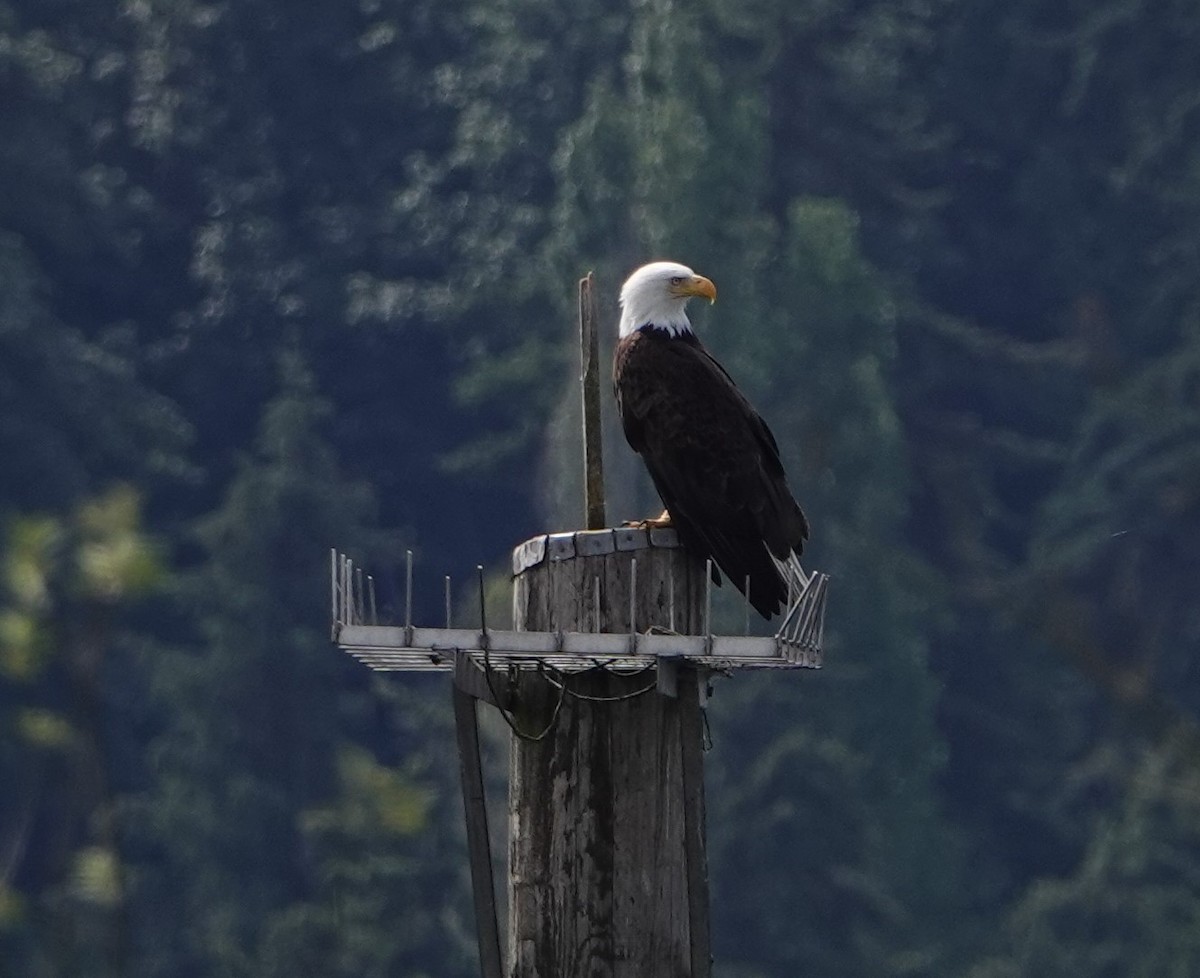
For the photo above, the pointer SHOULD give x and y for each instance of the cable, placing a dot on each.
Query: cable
(510, 718)
(606, 699)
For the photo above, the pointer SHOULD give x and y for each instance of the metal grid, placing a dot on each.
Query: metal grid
(408, 647)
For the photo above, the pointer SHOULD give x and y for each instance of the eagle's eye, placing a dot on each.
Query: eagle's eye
(677, 280)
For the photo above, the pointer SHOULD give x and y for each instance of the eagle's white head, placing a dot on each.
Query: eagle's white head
(655, 295)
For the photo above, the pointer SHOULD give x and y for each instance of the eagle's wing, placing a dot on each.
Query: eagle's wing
(714, 462)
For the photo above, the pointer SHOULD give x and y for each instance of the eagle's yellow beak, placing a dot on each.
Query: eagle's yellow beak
(697, 285)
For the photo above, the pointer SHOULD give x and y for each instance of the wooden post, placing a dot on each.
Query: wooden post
(466, 724)
(589, 382)
(607, 873)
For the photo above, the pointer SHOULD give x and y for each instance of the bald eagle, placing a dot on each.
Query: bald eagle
(713, 460)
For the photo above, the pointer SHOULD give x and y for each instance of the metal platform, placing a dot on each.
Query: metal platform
(408, 647)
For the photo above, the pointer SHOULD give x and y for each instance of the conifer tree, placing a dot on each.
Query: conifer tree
(273, 824)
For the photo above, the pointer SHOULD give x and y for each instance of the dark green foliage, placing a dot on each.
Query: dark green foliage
(281, 277)
(259, 763)
(72, 410)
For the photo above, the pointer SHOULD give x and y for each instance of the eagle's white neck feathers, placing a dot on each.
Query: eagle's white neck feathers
(647, 299)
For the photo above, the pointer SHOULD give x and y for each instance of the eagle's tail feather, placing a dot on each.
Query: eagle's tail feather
(739, 560)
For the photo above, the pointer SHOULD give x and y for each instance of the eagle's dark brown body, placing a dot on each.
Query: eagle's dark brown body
(713, 460)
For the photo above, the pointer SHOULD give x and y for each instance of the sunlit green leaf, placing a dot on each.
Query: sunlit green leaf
(21, 650)
(12, 907)
(400, 806)
(28, 563)
(115, 559)
(96, 876)
(43, 728)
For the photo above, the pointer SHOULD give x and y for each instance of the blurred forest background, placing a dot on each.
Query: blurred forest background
(277, 277)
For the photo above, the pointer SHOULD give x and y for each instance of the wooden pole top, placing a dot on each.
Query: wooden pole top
(589, 543)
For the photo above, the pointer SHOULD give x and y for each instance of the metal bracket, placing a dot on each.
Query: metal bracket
(473, 680)
(478, 842)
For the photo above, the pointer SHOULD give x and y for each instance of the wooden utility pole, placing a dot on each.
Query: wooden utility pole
(608, 875)
(607, 869)
(601, 682)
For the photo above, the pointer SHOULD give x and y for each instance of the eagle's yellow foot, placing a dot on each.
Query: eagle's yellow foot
(662, 522)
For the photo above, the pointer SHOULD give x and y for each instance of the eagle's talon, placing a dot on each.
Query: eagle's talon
(662, 522)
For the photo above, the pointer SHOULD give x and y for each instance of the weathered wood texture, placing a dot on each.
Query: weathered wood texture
(478, 845)
(589, 381)
(591, 594)
(600, 854)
